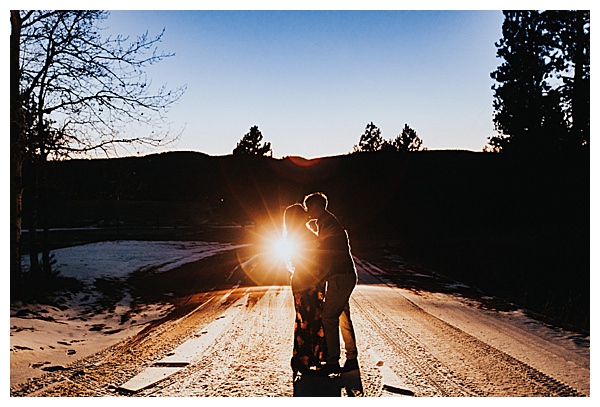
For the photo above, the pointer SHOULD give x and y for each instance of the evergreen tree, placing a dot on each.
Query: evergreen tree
(542, 96)
(408, 140)
(250, 144)
(370, 140)
(522, 81)
(570, 31)
(388, 145)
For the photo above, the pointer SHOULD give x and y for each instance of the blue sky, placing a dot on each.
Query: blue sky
(312, 80)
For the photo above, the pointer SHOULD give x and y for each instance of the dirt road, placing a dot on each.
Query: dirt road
(237, 342)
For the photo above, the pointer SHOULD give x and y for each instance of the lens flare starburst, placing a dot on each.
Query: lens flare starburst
(283, 248)
(268, 260)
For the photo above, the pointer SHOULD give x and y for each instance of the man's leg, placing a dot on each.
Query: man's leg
(338, 293)
(348, 333)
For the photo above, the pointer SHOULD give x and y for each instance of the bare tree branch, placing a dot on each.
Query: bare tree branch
(86, 84)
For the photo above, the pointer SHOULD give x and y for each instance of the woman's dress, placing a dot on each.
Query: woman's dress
(308, 288)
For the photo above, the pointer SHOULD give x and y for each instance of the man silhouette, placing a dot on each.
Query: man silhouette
(341, 278)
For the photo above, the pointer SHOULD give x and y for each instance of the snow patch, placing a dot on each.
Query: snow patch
(45, 337)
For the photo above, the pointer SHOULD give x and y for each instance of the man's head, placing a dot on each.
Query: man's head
(315, 204)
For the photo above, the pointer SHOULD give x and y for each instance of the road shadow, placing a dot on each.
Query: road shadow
(398, 390)
(323, 386)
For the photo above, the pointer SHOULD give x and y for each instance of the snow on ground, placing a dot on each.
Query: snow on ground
(117, 259)
(45, 337)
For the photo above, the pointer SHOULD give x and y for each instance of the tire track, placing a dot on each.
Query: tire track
(441, 359)
(101, 373)
(252, 358)
(413, 357)
(249, 359)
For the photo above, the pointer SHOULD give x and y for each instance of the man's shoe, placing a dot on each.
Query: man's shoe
(330, 369)
(351, 364)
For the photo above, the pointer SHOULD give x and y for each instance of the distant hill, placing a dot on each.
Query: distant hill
(486, 218)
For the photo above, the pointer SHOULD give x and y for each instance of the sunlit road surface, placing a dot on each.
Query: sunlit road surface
(238, 342)
(443, 346)
(405, 349)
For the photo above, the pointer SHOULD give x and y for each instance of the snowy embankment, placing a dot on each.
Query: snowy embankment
(47, 337)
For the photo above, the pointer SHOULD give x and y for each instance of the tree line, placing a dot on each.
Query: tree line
(371, 140)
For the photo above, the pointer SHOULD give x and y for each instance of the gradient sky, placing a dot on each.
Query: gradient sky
(312, 80)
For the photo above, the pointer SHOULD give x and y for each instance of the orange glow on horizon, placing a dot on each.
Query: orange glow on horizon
(304, 162)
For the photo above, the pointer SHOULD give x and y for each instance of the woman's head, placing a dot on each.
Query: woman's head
(294, 218)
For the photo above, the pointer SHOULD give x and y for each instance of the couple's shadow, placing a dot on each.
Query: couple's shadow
(323, 386)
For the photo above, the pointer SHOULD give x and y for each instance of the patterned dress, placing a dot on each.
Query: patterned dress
(308, 288)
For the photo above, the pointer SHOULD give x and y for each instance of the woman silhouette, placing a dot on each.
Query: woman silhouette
(308, 288)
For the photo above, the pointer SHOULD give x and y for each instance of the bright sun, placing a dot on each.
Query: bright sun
(284, 248)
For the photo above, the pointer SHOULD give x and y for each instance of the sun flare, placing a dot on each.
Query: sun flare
(283, 248)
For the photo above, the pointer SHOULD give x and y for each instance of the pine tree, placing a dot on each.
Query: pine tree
(370, 140)
(570, 31)
(519, 97)
(542, 92)
(250, 144)
(408, 140)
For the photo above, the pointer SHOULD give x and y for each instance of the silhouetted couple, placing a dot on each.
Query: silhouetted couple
(323, 278)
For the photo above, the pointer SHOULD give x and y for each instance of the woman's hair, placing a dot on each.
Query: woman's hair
(294, 217)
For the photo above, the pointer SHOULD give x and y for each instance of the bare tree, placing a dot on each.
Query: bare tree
(75, 92)
(17, 150)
